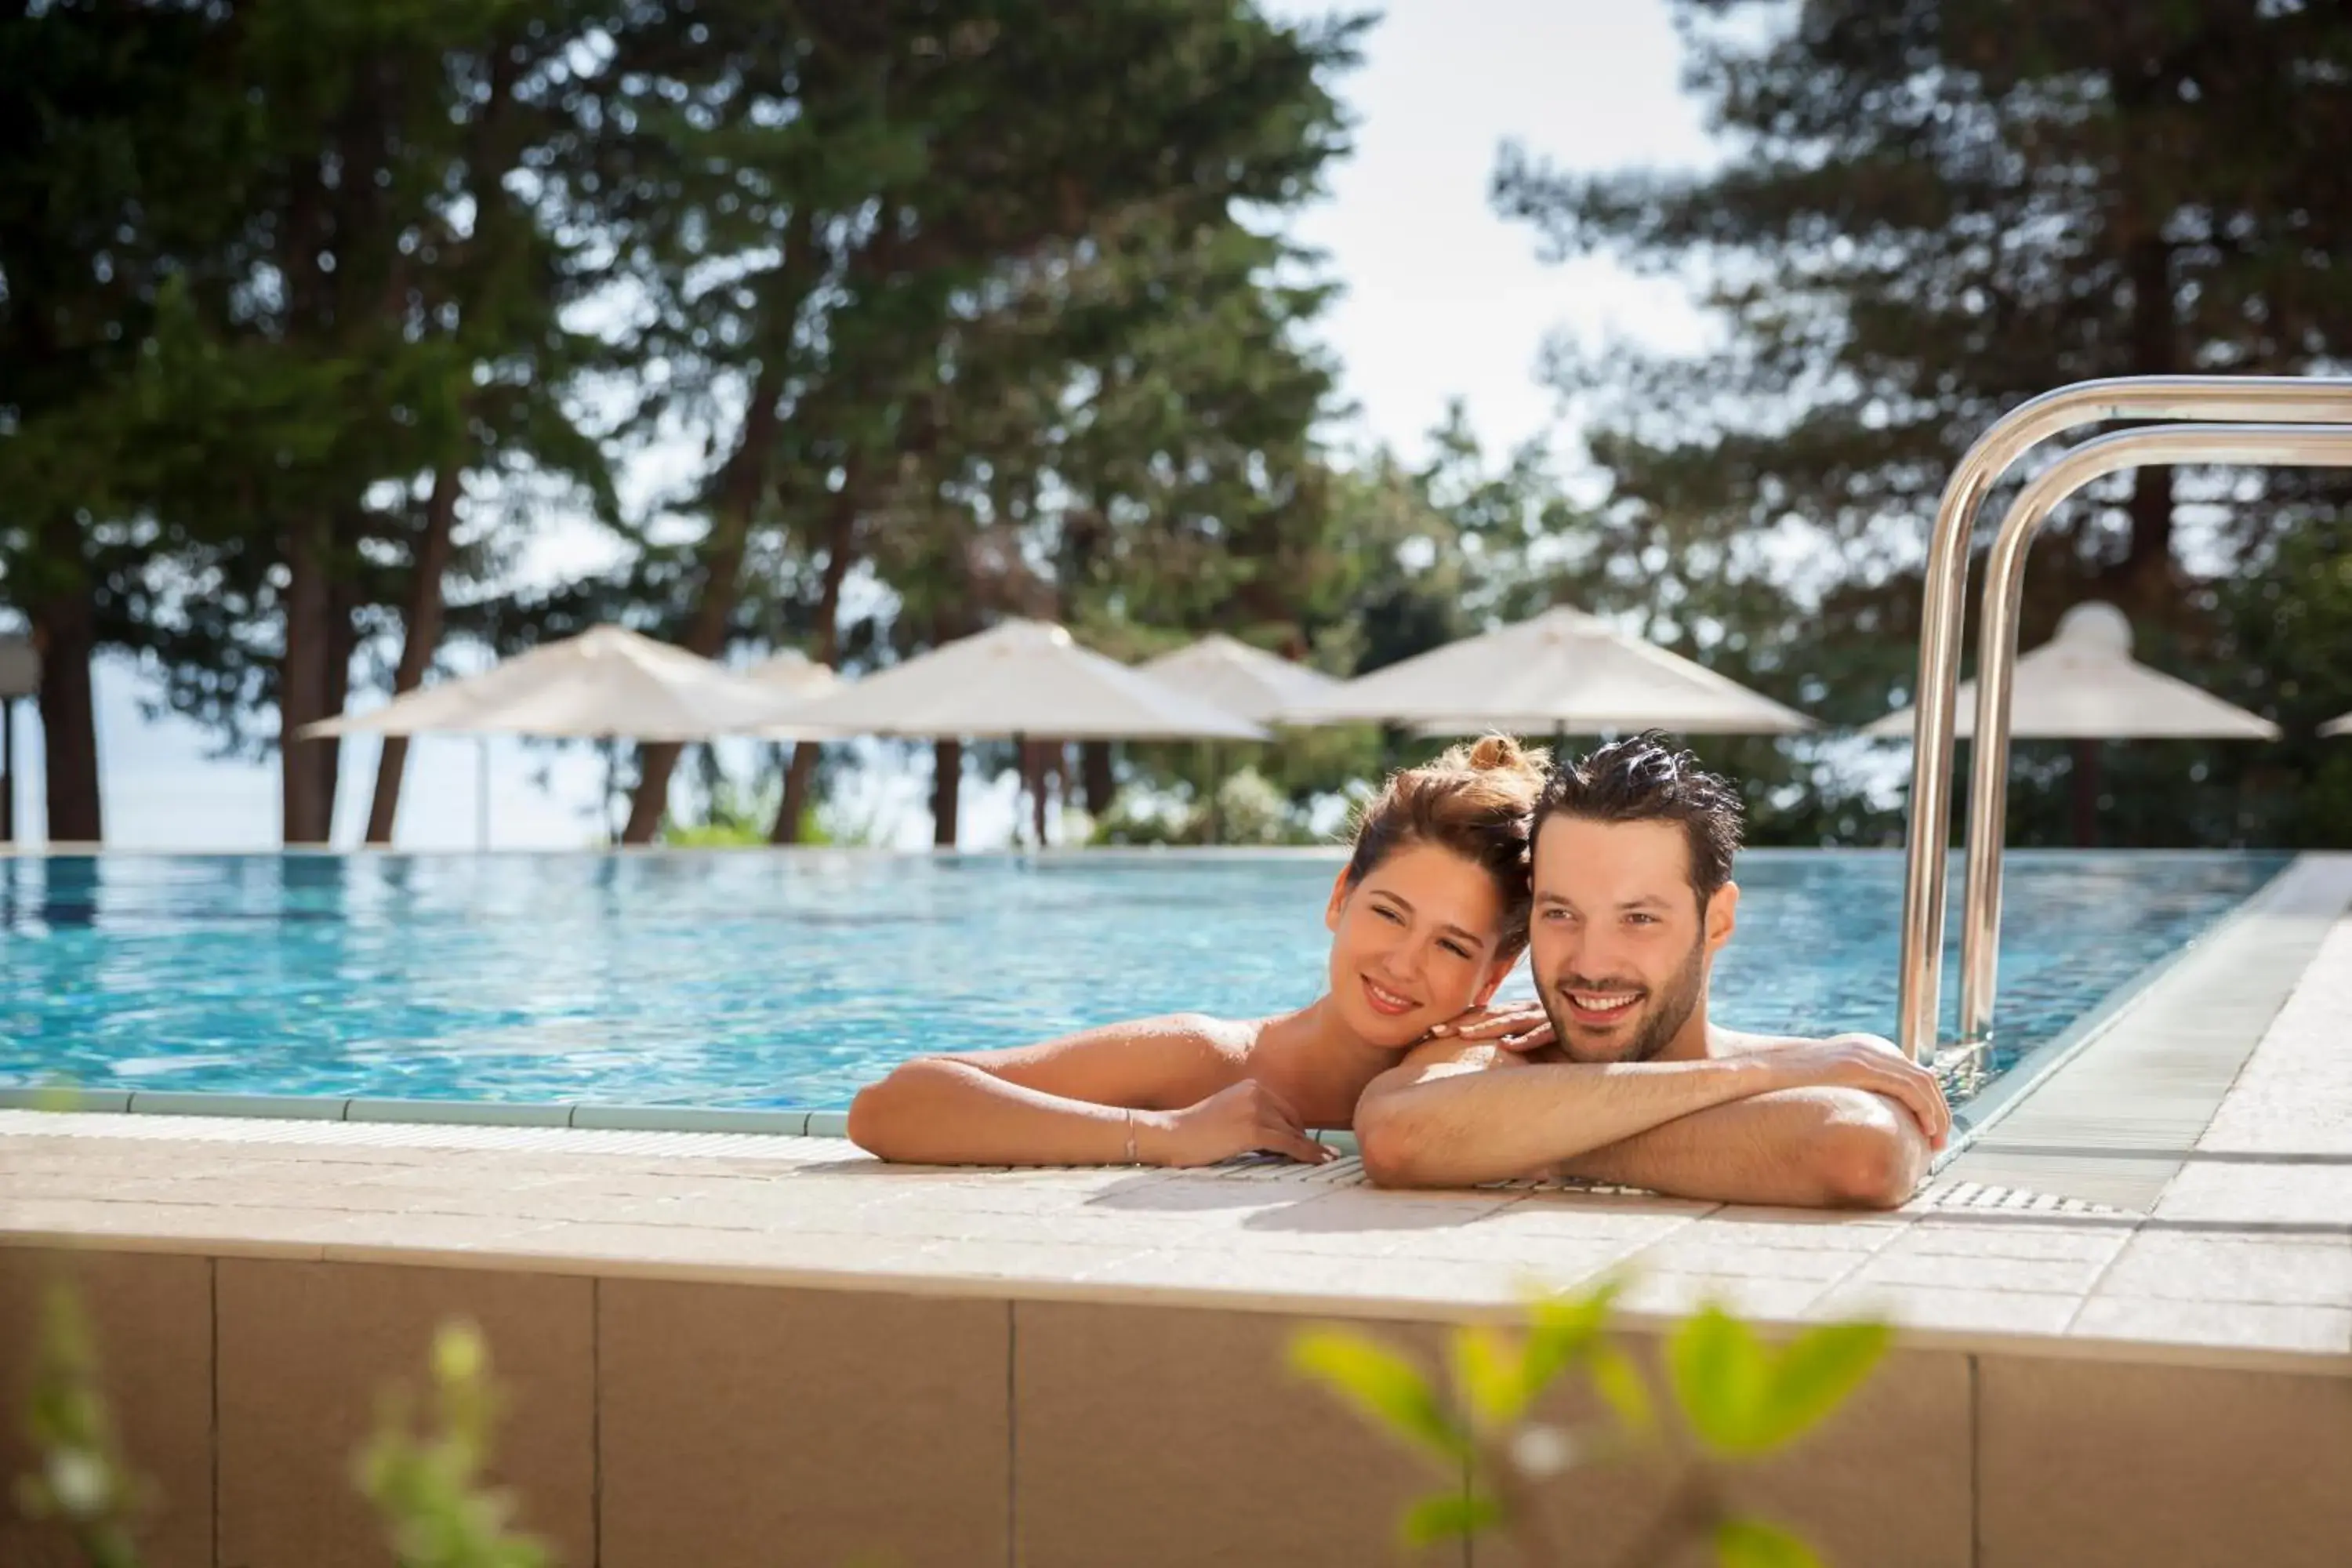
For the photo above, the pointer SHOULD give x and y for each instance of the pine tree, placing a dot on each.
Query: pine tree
(1927, 213)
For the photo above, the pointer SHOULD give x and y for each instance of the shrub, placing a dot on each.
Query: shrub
(1736, 1398)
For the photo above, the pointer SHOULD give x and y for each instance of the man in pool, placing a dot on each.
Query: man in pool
(1624, 1080)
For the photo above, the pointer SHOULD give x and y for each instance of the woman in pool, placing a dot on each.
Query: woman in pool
(1429, 915)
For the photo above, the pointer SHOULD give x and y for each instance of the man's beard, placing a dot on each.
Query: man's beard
(1664, 1014)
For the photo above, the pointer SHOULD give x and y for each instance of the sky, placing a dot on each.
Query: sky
(1443, 298)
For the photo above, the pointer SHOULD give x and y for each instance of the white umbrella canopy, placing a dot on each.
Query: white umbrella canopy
(794, 674)
(606, 683)
(1560, 672)
(1260, 687)
(2337, 726)
(1021, 678)
(798, 676)
(1017, 680)
(2084, 685)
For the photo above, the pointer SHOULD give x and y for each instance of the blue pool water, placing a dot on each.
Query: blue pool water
(753, 980)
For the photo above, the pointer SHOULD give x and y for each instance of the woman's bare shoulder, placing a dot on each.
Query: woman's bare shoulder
(1234, 1038)
(1230, 1037)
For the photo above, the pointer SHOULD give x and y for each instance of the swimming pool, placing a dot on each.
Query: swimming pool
(751, 979)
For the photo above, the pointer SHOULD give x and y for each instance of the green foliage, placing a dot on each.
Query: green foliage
(1444, 1515)
(1743, 1397)
(82, 1482)
(1739, 1400)
(1925, 215)
(1384, 1385)
(1244, 809)
(428, 1485)
(1139, 817)
(425, 1485)
(735, 816)
(316, 263)
(1750, 1543)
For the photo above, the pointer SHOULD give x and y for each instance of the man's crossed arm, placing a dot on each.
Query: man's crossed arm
(1840, 1123)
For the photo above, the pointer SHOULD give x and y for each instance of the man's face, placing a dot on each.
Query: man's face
(1618, 945)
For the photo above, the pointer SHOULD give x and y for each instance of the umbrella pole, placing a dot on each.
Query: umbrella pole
(482, 796)
(2086, 794)
(604, 807)
(1037, 776)
(1216, 826)
(1020, 780)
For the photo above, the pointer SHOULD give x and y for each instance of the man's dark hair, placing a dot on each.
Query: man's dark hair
(1648, 778)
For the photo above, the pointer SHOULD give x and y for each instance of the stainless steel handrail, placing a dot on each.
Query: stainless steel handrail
(2251, 446)
(2298, 400)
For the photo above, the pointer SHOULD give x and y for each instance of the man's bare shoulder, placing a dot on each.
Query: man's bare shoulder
(1723, 1042)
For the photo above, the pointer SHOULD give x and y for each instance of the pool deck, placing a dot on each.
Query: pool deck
(2180, 1187)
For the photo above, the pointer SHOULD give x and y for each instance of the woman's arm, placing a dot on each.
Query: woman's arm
(1153, 1091)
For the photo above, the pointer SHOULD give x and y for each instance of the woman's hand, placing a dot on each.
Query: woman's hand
(1520, 1026)
(1241, 1118)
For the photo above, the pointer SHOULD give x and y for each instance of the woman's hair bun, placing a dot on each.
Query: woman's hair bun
(1490, 751)
(1493, 755)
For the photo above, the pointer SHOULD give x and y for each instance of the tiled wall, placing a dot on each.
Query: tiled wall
(654, 1424)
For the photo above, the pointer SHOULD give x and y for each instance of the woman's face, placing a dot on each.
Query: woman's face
(1414, 944)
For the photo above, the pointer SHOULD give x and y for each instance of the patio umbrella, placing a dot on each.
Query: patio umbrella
(607, 683)
(1559, 671)
(1018, 678)
(794, 674)
(2083, 685)
(1240, 679)
(2337, 726)
(1260, 687)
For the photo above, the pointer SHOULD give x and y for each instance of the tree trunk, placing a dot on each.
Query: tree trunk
(2086, 794)
(7, 768)
(420, 637)
(2145, 580)
(840, 540)
(740, 488)
(1101, 782)
(65, 634)
(303, 690)
(947, 791)
(1033, 783)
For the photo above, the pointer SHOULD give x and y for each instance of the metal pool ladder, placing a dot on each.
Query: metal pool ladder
(2247, 421)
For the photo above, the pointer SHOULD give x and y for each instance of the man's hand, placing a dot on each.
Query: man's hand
(1241, 1118)
(1517, 1026)
(1863, 1062)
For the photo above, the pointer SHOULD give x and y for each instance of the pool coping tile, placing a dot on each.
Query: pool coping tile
(457, 1112)
(688, 1118)
(277, 1106)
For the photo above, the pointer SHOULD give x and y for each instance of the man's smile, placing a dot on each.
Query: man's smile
(1599, 1009)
